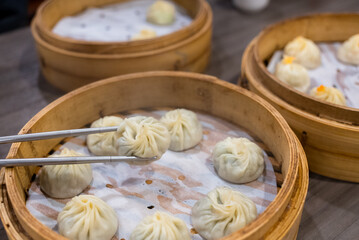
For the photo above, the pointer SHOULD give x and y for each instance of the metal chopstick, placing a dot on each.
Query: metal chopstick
(55, 134)
(68, 160)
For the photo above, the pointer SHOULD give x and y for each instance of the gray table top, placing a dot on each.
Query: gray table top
(331, 210)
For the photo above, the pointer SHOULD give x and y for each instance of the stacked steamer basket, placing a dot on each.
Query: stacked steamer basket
(69, 63)
(329, 133)
(197, 92)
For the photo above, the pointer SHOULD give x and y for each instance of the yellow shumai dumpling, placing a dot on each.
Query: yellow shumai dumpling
(329, 94)
(143, 137)
(87, 217)
(184, 128)
(348, 52)
(238, 160)
(293, 74)
(161, 13)
(161, 226)
(145, 34)
(305, 51)
(104, 143)
(64, 181)
(222, 212)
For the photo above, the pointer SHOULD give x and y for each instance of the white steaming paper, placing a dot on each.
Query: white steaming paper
(172, 184)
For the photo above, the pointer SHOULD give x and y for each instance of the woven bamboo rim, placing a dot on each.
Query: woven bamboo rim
(202, 93)
(51, 11)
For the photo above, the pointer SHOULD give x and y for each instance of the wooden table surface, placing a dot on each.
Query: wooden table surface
(331, 210)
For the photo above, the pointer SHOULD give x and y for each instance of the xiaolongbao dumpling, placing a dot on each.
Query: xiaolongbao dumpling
(238, 160)
(328, 94)
(161, 13)
(348, 52)
(305, 51)
(143, 137)
(64, 181)
(87, 217)
(184, 128)
(104, 144)
(293, 74)
(222, 212)
(145, 34)
(161, 226)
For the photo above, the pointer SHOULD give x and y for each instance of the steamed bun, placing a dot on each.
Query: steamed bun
(184, 128)
(328, 94)
(161, 13)
(144, 34)
(104, 144)
(222, 212)
(143, 137)
(161, 226)
(293, 74)
(348, 52)
(64, 181)
(87, 217)
(305, 51)
(238, 160)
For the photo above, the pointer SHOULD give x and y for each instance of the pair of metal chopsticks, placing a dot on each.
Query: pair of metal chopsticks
(62, 160)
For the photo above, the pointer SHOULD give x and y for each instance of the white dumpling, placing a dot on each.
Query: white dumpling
(348, 52)
(238, 160)
(161, 13)
(161, 226)
(87, 217)
(64, 181)
(222, 212)
(104, 144)
(293, 74)
(144, 34)
(305, 51)
(329, 94)
(184, 128)
(143, 137)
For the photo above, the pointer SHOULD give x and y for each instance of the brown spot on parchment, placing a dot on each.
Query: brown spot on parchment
(166, 203)
(148, 181)
(109, 186)
(45, 210)
(123, 191)
(181, 194)
(193, 231)
(174, 174)
(181, 177)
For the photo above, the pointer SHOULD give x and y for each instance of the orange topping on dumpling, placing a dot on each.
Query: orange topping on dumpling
(288, 59)
(321, 88)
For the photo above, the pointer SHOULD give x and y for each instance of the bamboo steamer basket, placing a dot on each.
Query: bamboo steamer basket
(68, 70)
(50, 12)
(329, 133)
(198, 92)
